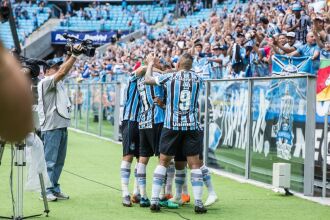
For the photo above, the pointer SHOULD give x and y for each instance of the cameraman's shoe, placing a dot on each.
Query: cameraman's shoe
(50, 198)
(61, 196)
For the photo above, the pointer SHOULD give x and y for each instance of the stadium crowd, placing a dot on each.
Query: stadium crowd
(231, 43)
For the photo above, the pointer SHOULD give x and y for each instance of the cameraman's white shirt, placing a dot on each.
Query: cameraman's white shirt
(53, 104)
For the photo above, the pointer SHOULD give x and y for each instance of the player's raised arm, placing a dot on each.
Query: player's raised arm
(141, 71)
(149, 78)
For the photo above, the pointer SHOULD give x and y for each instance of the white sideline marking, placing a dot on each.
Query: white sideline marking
(320, 200)
(94, 135)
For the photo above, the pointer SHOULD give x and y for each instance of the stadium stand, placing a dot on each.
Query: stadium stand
(29, 17)
(106, 17)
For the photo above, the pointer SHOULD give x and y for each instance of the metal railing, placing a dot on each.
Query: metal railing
(96, 108)
(250, 123)
(260, 121)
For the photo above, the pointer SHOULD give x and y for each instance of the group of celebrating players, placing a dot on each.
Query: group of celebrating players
(161, 119)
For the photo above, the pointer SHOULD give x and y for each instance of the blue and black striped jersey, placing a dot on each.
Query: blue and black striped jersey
(132, 102)
(182, 90)
(151, 113)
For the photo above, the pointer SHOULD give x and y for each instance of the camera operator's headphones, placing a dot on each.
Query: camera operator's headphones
(33, 65)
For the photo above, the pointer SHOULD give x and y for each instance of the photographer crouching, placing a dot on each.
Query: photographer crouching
(54, 115)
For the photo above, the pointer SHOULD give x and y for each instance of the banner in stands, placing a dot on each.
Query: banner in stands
(283, 65)
(98, 37)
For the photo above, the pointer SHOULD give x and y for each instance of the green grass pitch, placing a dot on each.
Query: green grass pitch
(100, 160)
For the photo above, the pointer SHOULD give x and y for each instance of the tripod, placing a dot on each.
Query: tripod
(20, 162)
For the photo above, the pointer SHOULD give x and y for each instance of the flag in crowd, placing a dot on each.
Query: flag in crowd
(323, 81)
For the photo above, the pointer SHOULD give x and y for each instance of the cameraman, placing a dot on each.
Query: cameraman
(54, 113)
(15, 99)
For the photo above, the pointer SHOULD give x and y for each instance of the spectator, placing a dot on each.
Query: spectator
(325, 52)
(41, 8)
(319, 31)
(271, 29)
(280, 43)
(35, 21)
(214, 5)
(225, 64)
(69, 8)
(215, 63)
(291, 45)
(25, 14)
(124, 4)
(298, 22)
(78, 101)
(80, 13)
(96, 102)
(310, 49)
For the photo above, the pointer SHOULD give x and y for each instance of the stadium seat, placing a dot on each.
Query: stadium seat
(25, 26)
(119, 19)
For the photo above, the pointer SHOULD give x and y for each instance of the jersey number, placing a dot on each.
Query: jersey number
(184, 100)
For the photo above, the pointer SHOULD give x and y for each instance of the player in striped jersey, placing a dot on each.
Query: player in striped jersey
(181, 130)
(131, 141)
(150, 126)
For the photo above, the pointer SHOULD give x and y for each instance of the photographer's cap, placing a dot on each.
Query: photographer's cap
(291, 34)
(53, 62)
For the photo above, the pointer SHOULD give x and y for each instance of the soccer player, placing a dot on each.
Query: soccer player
(131, 140)
(182, 195)
(150, 126)
(180, 130)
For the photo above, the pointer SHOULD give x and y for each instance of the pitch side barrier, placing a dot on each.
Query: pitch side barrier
(251, 123)
(96, 107)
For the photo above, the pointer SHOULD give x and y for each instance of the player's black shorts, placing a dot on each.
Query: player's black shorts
(180, 143)
(131, 138)
(149, 140)
(179, 155)
(201, 144)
